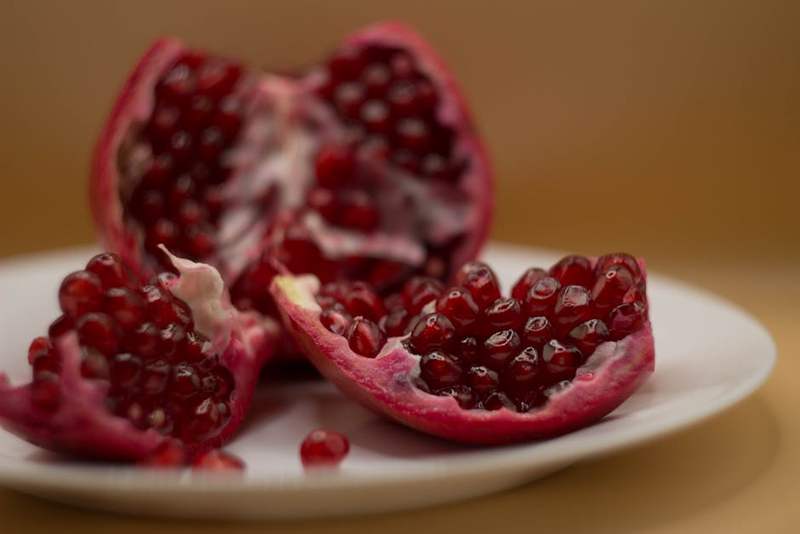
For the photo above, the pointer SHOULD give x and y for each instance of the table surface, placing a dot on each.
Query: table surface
(738, 472)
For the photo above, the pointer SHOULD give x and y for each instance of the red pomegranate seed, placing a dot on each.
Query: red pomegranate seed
(349, 97)
(164, 122)
(625, 319)
(498, 400)
(80, 293)
(482, 380)
(537, 331)
(573, 270)
(480, 281)
(60, 326)
(468, 350)
(462, 394)
(148, 205)
(159, 171)
(526, 282)
(177, 85)
(395, 323)
(155, 377)
(524, 372)
(503, 313)
(323, 448)
(228, 118)
(375, 116)
(46, 391)
(459, 306)
(335, 319)
(619, 258)
(108, 268)
(323, 202)
(346, 63)
(98, 330)
(145, 341)
(334, 166)
(39, 347)
(167, 455)
(440, 370)
(204, 418)
(499, 348)
(431, 332)
(216, 79)
(376, 78)
(573, 306)
(365, 337)
(542, 296)
(403, 99)
(94, 365)
(362, 300)
(126, 369)
(611, 286)
(561, 360)
(159, 305)
(199, 112)
(419, 291)
(588, 335)
(217, 460)
(185, 380)
(358, 212)
(125, 306)
(163, 232)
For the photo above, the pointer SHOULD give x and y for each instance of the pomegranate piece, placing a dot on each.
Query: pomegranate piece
(368, 168)
(474, 366)
(159, 371)
(323, 448)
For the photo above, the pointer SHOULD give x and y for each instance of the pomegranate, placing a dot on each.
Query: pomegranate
(466, 363)
(150, 371)
(367, 167)
(323, 448)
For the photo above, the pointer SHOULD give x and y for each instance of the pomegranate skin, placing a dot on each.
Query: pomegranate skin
(386, 384)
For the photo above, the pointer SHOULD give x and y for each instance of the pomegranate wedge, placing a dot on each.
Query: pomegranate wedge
(464, 363)
(129, 367)
(367, 167)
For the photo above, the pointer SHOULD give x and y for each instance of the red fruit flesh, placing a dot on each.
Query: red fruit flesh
(218, 461)
(323, 448)
(509, 375)
(366, 168)
(144, 365)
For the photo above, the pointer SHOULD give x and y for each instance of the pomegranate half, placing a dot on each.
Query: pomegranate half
(367, 167)
(465, 363)
(129, 367)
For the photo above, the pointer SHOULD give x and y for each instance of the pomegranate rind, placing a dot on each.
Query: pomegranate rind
(454, 112)
(81, 425)
(386, 383)
(133, 104)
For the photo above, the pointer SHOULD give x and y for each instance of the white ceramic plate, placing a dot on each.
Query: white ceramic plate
(709, 355)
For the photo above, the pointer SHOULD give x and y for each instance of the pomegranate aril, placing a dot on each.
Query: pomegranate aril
(459, 306)
(482, 380)
(199, 112)
(526, 282)
(159, 306)
(413, 134)
(573, 306)
(561, 360)
(170, 338)
(203, 419)
(155, 377)
(403, 98)
(148, 205)
(80, 293)
(145, 341)
(479, 279)
(163, 232)
(431, 332)
(215, 79)
(467, 350)
(419, 291)
(159, 171)
(365, 337)
(335, 319)
(98, 330)
(349, 98)
(465, 397)
(499, 348)
(588, 335)
(126, 369)
(168, 454)
(375, 116)
(177, 85)
(573, 270)
(125, 306)
(542, 296)
(185, 381)
(358, 212)
(94, 365)
(346, 63)
(46, 362)
(497, 400)
(228, 118)
(503, 313)
(625, 319)
(362, 300)
(39, 347)
(210, 144)
(59, 327)
(611, 286)
(217, 461)
(108, 267)
(406, 159)
(376, 78)
(524, 372)
(619, 258)
(440, 370)
(334, 165)
(537, 331)
(180, 147)
(396, 322)
(323, 448)
(164, 122)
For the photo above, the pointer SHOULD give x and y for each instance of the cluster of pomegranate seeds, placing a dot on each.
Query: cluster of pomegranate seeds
(196, 117)
(141, 341)
(389, 105)
(489, 351)
(323, 448)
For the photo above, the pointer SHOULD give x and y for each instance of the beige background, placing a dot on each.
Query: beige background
(669, 129)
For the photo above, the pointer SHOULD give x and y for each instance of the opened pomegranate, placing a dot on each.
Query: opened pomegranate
(466, 363)
(129, 368)
(367, 167)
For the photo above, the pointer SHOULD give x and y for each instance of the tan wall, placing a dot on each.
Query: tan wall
(608, 121)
